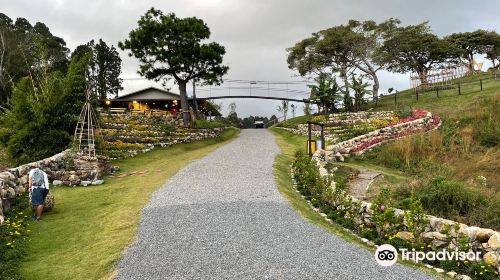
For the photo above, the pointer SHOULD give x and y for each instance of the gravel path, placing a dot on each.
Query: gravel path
(222, 217)
(359, 185)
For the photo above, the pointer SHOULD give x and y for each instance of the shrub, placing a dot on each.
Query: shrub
(208, 124)
(416, 219)
(448, 198)
(488, 131)
(384, 217)
(13, 237)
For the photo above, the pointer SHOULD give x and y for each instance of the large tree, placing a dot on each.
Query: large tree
(168, 46)
(472, 43)
(413, 48)
(104, 67)
(43, 112)
(343, 49)
(20, 45)
(493, 52)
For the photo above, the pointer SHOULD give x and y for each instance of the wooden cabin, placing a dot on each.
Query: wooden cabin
(154, 101)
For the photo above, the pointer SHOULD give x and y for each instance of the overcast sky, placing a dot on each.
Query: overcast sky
(254, 32)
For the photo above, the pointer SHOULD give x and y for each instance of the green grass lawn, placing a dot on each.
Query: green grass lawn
(87, 232)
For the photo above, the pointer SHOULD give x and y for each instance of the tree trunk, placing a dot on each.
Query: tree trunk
(184, 103)
(373, 73)
(470, 64)
(375, 87)
(422, 75)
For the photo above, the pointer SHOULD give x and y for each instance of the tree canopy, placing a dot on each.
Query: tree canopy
(104, 68)
(20, 46)
(469, 44)
(414, 48)
(167, 46)
(344, 49)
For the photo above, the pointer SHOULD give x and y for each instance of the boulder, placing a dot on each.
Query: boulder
(428, 236)
(97, 182)
(484, 234)
(439, 236)
(11, 193)
(339, 157)
(491, 258)
(464, 277)
(85, 183)
(494, 241)
(57, 182)
(471, 232)
(452, 274)
(440, 224)
(438, 244)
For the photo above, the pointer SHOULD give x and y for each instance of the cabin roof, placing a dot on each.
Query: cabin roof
(149, 94)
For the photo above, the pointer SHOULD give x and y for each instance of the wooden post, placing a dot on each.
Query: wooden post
(437, 92)
(395, 98)
(458, 88)
(481, 83)
(309, 139)
(323, 145)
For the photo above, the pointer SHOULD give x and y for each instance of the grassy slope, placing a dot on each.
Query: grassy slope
(289, 143)
(448, 160)
(454, 109)
(87, 232)
(449, 103)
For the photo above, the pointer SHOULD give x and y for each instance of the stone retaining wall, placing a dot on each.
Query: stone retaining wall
(439, 233)
(72, 170)
(360, 144)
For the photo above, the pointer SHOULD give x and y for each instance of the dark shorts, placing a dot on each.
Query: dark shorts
(38, 196)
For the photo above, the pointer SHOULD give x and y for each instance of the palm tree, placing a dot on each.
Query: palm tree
(283, 108)
(326, 92)
(360, 90)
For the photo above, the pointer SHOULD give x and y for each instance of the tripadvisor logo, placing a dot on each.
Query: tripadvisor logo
(387, 255)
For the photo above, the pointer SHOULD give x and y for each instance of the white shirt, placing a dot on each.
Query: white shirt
(46, 179)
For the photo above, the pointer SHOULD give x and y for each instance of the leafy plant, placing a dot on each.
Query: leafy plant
(415, 218)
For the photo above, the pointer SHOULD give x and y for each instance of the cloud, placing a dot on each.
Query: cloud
(255, 33)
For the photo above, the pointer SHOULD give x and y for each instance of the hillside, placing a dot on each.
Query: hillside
(456, 164)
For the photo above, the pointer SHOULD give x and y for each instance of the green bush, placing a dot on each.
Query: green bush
(42, 115)
(449, 199)
(209, 124)
(488, 131)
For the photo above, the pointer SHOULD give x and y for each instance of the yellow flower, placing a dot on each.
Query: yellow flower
(8, 244)
(17, 233)
(482, 266)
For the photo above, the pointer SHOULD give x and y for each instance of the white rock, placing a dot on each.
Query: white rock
(439, 270)
(57, 182)
(97, 182)
(85, 183)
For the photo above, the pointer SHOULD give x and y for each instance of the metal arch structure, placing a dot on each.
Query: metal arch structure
(256, 97)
